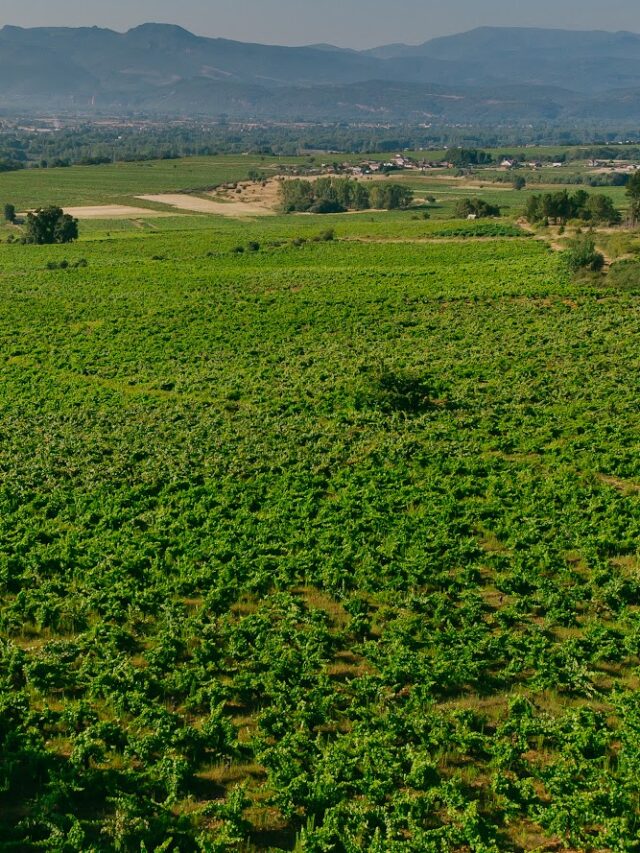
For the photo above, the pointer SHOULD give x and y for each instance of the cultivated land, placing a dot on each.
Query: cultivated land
(324, 546)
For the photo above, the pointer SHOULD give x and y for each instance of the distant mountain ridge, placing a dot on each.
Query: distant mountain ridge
(487, 74)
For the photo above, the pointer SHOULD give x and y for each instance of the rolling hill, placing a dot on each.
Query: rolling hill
(487, 74)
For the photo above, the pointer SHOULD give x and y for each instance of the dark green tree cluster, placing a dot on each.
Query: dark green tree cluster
(10, 212)
(462, 157)
(337, 195)
(561, 206)
(10, 165)
(477, 207)
(390, 197)
(633, 193)
(50, 225)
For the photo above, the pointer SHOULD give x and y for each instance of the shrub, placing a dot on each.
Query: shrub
(82, 263)
(327, 236)
(583, 255)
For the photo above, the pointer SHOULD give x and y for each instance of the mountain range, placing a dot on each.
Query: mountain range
(489, 74)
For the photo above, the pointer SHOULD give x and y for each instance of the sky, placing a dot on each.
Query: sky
(347, 23)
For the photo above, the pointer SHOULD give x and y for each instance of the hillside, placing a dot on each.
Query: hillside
(486, 74)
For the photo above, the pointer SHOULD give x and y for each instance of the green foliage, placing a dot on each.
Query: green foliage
(10, 213)
(334, 542)
(326, 236)
(633, 194)
(625, 275)
(464, 157)
(336, 195)
(561, 206)
(385, 196)
(583, 255)
(475, 207)
(50, 225)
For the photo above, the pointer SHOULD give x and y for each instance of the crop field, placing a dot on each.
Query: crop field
(126, 183)
(123, 182)
(325, 545)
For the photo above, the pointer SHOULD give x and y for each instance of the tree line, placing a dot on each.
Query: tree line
(559, 207)
(337, 195)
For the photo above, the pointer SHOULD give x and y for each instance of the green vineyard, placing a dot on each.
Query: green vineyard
(317, 544)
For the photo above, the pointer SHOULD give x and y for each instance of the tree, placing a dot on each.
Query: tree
(51, 225)
(475, 207)
(601, 210)
(633, 193)
(391, 197)
(519, 183)
(336, 195)
(559, 207)
(463, 157)
(10, 212)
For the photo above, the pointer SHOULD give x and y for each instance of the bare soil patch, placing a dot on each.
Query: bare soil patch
(112, 211)
(217, 205)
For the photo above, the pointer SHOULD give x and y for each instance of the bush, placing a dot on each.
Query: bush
(10, 213)
(82, 263)
(327, 236)
(583, 255)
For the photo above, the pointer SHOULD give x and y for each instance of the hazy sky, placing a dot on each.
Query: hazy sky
(349, 23)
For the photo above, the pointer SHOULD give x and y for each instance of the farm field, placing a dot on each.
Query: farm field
(126, 184)
(325, 544)
(121, 183)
